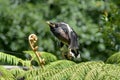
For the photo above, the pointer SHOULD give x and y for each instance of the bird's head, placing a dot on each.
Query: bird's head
(56, 25)
(51, 24)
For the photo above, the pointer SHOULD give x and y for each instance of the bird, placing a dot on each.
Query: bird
(67, 36)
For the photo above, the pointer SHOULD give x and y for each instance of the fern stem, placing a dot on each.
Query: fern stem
(32, 40)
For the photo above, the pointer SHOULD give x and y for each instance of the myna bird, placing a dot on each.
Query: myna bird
(67, 36)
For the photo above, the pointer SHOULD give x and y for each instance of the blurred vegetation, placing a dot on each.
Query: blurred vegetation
(95, 21)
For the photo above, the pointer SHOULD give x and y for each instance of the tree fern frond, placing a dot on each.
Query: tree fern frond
(10, 59)
(112, 69)
(84, 68)
(26, 63)
(13, 60)
(93, 74)
(17, 72)
(114, 59)
(92, 70)
(109, 71)
(47, 56)
(81, 68)
(5, 74)
(97, 74)
(105, 72)
(42, 75)
(66, 73)
(106, 77)
(60, 64)
(49, 69)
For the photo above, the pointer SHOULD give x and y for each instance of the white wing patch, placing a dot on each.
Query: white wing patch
(69, 29)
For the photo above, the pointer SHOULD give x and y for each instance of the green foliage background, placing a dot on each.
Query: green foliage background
(95, 21)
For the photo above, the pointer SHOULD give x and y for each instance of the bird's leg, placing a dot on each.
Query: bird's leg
(61, 44)
(64, 51)
(64, 55)
(69, 54)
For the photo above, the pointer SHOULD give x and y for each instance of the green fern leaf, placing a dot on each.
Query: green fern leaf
(71, 72)
(93, 74)
(105, 72)
(112, 71)
(17, 72)
(5, 74)
(26, 63)
(13, 60)
(10, 59)
(48, 57)
(114, 59)
(60, 64)
(49, 70)
(68, 70)
(84, 68)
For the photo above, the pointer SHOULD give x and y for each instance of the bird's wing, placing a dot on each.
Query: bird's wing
(73, 40)
(63, 36)
(72, 36)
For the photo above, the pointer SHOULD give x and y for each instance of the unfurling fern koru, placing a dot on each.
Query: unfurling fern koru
(32, 41)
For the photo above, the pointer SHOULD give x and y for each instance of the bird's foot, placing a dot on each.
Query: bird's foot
(69, 56)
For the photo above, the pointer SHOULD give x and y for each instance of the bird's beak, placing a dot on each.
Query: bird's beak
(50, 24)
